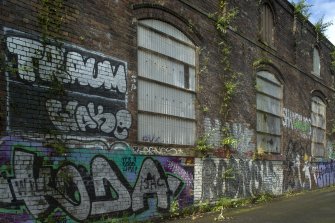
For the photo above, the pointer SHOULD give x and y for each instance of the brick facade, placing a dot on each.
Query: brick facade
(70, 148)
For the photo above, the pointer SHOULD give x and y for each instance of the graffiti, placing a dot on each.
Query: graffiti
(95, 89)
(324, 174)
(129, 164)
(297, 122)
(242, 133)
(103, 183)
(177, 169)
(298, 173)
(83, 69)
(81, 118)
(158, 151)
(236, 178)
(153, 139)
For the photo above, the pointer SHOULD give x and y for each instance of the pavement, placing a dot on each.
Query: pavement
(308, 207)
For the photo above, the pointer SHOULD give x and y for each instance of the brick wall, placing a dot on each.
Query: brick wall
(69, 150)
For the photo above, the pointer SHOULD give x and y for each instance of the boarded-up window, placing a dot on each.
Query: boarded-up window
(316, 62)
(267, 24)
(318, 127)
(166, 85)
(269, 112)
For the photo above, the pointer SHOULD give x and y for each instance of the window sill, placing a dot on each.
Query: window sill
(273, 157)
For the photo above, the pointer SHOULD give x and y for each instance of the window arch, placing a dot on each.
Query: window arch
(166, 84)
(269, 112)
(318, 115)
(316, 62)
(267, 24)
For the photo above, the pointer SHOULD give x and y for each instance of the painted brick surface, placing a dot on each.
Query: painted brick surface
(81, 89)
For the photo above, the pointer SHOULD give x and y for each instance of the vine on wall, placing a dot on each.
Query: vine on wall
(227, 77)
(50, 16)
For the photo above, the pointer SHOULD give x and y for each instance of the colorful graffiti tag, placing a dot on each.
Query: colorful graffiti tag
(88, 183)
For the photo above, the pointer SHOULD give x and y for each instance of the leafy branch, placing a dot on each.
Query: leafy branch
(321, 27)
(302, 9)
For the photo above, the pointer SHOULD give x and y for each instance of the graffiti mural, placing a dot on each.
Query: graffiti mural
(71, 90)
(236, 178)
(88, 183)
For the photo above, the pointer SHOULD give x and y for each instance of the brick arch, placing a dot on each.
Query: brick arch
(164, 14)
(271, 68)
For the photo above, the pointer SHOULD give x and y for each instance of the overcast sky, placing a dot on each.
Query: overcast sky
(326, 8)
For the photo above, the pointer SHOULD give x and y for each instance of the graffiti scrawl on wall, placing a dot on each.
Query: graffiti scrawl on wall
(95, 86)
(88, 183)
(245, 144)
(298, 123)
(236, 178)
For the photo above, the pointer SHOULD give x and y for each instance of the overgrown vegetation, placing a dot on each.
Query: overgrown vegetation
(51, 14)
(228, 76)
(221, 205)
(202, 144)
(302, 10)
(321, 27)
(50, 18)
(332, 62)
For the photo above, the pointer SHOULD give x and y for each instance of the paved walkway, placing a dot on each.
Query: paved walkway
(309, 207)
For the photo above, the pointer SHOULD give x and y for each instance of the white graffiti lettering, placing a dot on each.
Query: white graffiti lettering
(35, 185)
(81, 118)
(84, 70)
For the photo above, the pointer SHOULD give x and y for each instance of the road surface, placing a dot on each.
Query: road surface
(309, 207)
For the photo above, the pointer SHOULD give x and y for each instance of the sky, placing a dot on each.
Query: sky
(324, 8)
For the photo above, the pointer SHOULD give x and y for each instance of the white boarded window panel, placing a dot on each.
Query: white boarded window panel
(166, 46)
(318, 150)
(269, 88)
(318, 127)
(164, 70)
(166, 57)
(267, 123)
(166, 28)
(269, 112)
(167, 130)
(269, 77)
(268, 104)
(157, 98)
(268, 143)
(318, 135)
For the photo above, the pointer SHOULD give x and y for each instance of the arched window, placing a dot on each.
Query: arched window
(166, 84)
(269, 112)
(267, 24)
(316, 62)
(318, 127)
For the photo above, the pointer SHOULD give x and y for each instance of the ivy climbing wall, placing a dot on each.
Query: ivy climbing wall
(72, 148)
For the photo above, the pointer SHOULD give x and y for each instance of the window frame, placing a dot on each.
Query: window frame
(315, 99)
(267, 38)
(269, 79)
(187, 86)
(316, 66)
